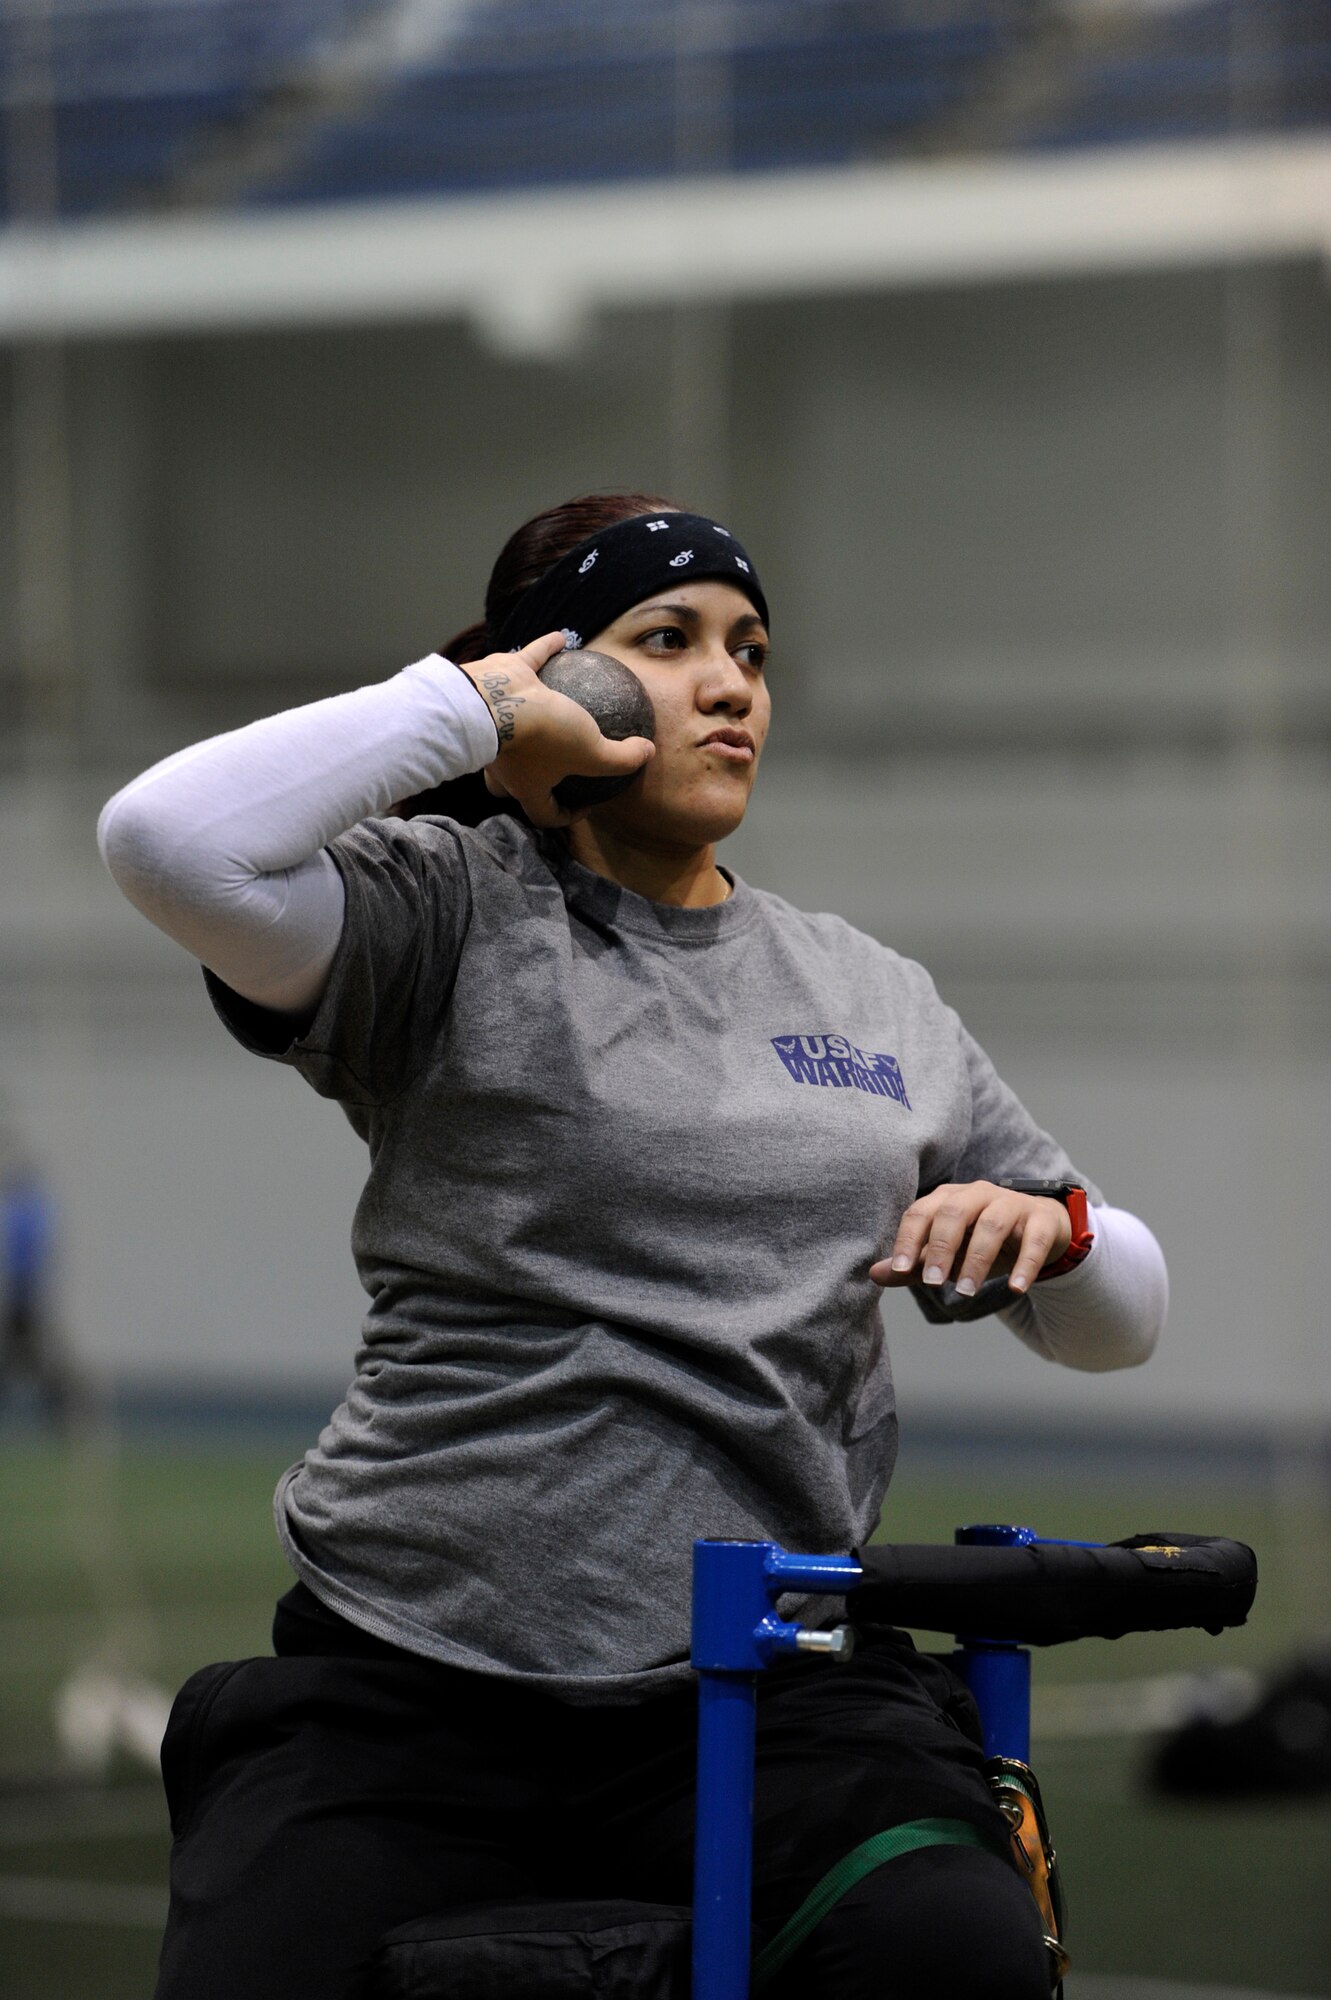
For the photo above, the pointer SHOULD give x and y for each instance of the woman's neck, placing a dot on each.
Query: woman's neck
(687, 878)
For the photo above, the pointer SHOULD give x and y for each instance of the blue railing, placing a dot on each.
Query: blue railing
(736, 1634)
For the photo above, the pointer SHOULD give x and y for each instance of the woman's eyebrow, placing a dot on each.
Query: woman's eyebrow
(688, 614)
(683, 611)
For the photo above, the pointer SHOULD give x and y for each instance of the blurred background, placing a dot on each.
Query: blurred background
(1002, 331)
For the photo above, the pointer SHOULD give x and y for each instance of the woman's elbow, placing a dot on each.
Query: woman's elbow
(165, 874)
(132, 846)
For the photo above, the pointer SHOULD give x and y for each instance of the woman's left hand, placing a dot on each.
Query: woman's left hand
(977, 1231)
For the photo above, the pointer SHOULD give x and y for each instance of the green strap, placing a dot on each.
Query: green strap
(852, 1868)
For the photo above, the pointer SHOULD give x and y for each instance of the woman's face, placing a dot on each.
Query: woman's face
(700, 650)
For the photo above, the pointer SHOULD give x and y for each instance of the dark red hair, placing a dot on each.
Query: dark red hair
(534, 548)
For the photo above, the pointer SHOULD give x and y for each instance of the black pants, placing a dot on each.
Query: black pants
(322, 1797)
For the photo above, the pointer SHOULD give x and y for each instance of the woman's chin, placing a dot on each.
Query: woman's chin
(698, 820)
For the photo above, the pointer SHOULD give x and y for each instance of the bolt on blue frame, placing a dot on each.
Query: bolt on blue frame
(736, 1634)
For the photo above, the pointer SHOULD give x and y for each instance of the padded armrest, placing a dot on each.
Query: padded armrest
(1047, 1593)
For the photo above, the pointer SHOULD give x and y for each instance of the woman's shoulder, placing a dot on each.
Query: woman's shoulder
(431, 840)
(826, 933)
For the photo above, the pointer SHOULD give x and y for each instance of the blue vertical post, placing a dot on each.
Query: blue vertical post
(999, 1676)
(736, 1633)
(730, 1607)
(997, 1672)
(723, 1843)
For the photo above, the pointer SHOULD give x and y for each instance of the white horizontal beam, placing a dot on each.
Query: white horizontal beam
(529, 268)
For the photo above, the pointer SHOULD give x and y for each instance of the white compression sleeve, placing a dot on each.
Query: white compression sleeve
(1109, 1310)
(223, 845)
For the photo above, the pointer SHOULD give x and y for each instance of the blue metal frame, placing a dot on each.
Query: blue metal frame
(736, 1633)
(998, 1671)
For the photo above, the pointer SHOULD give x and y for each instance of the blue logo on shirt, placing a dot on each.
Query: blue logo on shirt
(837, 1064)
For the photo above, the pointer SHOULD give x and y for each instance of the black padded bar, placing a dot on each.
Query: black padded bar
(1047, 1593)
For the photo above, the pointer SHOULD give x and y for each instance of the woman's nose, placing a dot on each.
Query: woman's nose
(724, 685)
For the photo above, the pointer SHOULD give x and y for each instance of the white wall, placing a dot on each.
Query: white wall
(1054, 708)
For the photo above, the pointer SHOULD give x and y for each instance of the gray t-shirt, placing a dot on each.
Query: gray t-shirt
(629, 1167)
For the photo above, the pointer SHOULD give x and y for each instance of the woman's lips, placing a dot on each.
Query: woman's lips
(734, 749)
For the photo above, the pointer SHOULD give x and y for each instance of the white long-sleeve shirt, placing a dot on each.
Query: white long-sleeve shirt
(225, 846)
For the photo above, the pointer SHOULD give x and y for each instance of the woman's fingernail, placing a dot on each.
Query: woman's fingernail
(966, 1286)
(1017, 1284)
(933, 1274)
(901, 1263)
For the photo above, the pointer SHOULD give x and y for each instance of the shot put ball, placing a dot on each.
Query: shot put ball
(619, 705)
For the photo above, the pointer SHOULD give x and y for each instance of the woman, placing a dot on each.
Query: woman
(644, 1145)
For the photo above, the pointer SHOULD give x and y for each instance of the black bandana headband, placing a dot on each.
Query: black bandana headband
(609, 573)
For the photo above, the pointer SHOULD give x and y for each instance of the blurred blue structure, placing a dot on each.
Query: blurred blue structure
(194, 102)
(33, 1356)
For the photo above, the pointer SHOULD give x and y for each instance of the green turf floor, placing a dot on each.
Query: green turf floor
(165, 1558)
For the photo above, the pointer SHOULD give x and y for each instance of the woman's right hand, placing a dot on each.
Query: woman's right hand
(543, 736)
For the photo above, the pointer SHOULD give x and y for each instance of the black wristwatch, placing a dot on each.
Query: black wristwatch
(1073, 1198)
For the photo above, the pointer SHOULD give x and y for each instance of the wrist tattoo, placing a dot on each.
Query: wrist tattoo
(503, 704)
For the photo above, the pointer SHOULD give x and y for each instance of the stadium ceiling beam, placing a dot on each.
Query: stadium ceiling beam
(529, 269)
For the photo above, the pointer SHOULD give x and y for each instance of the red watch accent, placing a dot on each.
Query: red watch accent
(1074, 1200)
